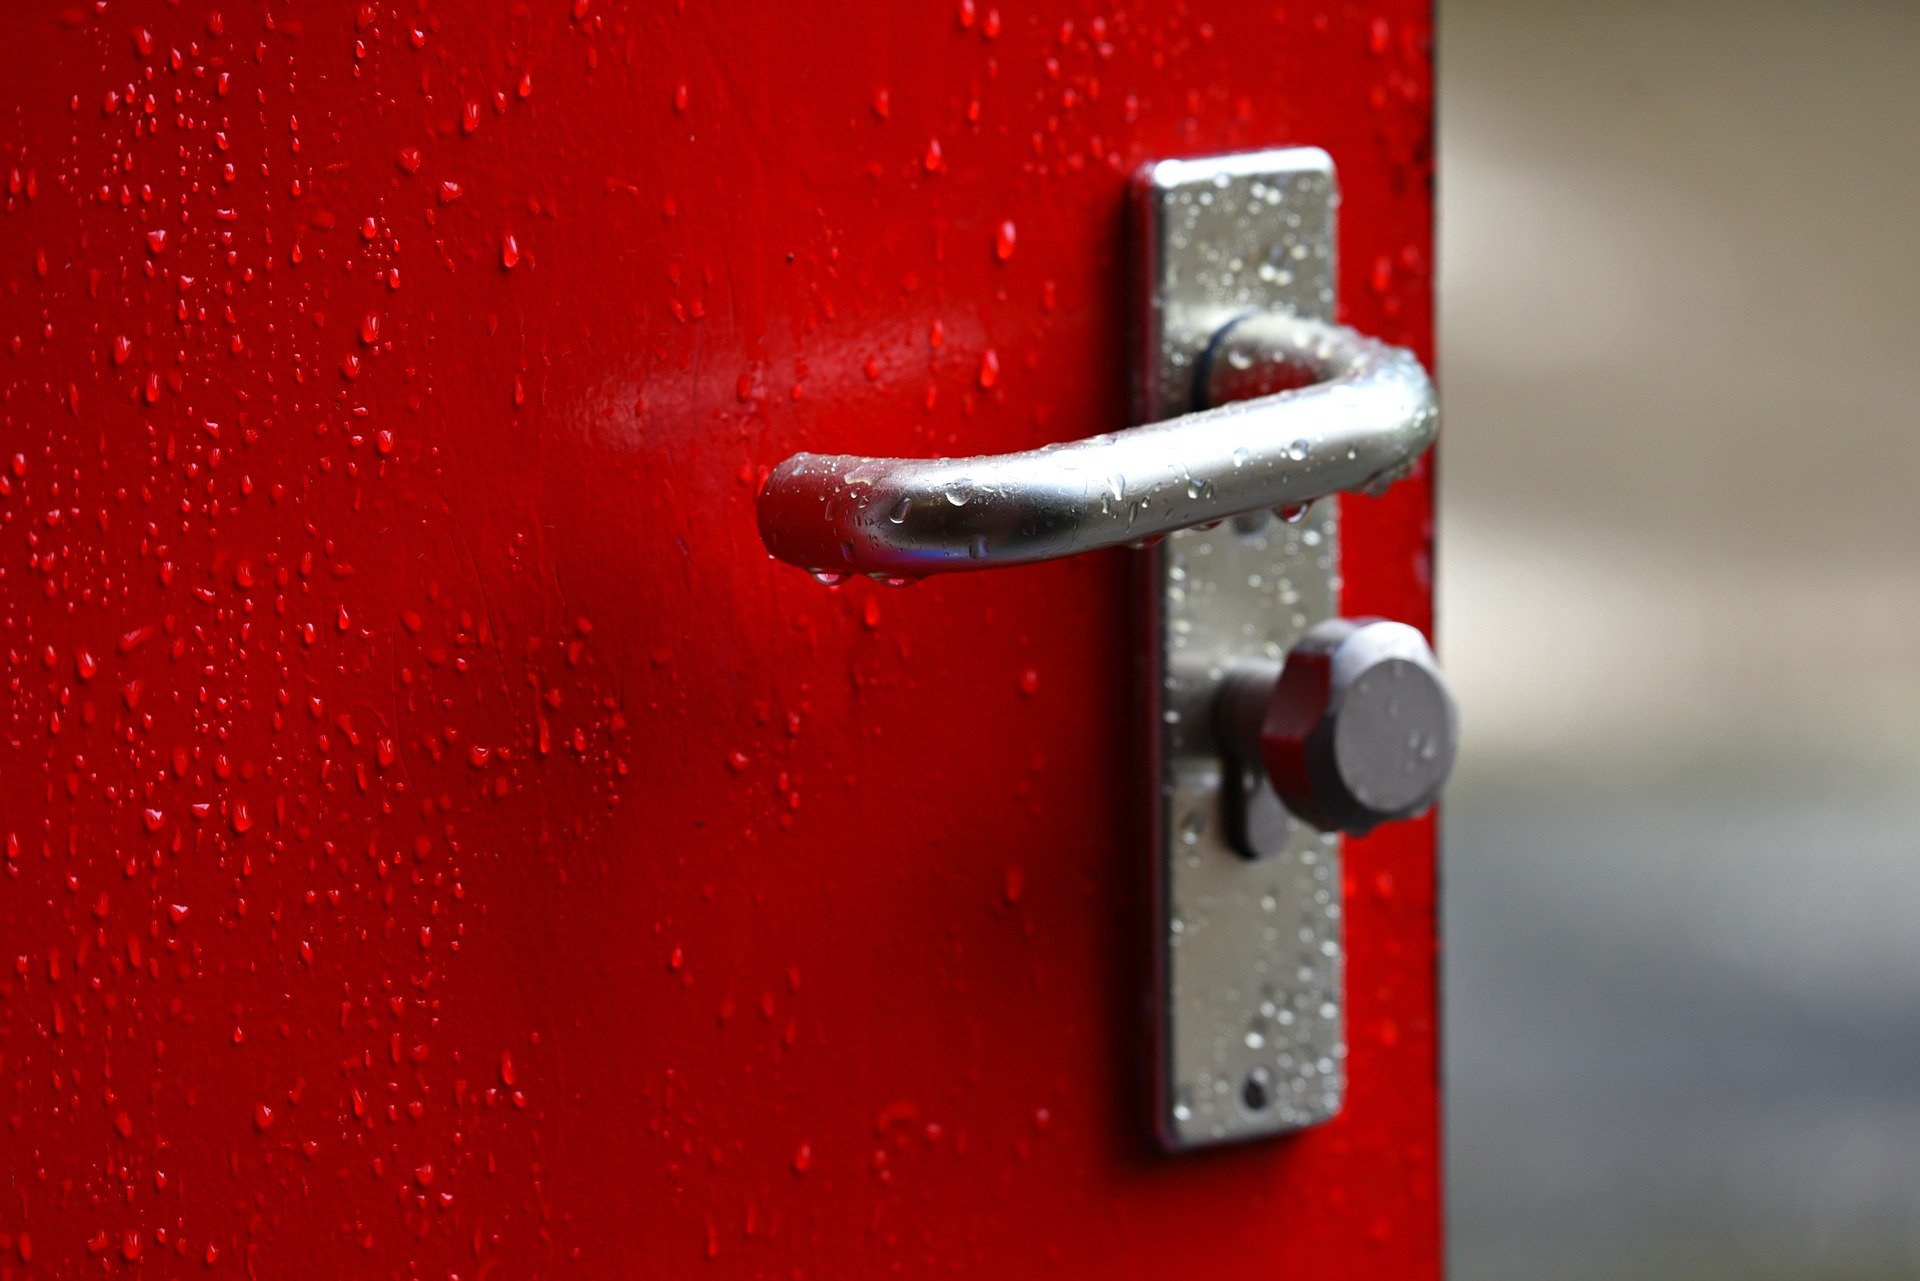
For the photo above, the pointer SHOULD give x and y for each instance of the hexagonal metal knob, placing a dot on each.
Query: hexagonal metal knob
(1359, 728)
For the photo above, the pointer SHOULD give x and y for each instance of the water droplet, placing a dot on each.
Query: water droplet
(1003, 240)
(989, 368)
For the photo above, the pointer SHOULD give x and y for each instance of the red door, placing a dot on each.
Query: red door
(440, 841)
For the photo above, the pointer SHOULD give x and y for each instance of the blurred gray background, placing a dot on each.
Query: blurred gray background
(1680, 599)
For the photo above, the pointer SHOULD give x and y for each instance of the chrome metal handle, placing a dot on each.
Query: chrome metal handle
(1366, 413)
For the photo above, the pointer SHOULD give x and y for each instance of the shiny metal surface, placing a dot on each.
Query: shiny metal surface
(1258, 824)
(1250, 1030)
(1365, 411)
(1358, 730)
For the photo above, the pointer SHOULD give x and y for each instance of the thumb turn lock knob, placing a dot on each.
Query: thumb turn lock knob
(1355, 729)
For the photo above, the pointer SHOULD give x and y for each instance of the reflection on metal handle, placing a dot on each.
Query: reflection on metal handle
(1365, 414)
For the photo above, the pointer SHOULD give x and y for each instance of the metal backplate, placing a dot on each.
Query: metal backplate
(1249, 1007)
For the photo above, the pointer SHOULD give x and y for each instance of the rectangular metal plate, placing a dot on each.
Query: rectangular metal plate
(1249, 1006)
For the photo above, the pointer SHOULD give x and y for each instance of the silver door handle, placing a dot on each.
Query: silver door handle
(1364, 415)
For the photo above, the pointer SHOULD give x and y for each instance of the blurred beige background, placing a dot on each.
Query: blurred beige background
(1680, 283)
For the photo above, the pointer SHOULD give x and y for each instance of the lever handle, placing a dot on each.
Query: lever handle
(1364, 415)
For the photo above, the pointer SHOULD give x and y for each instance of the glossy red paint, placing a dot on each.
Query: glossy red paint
(438, 840)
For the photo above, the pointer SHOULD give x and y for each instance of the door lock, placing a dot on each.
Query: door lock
(1274, 725)
(1356, 728)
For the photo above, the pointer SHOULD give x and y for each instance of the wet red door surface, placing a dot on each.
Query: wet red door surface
(439, 841)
